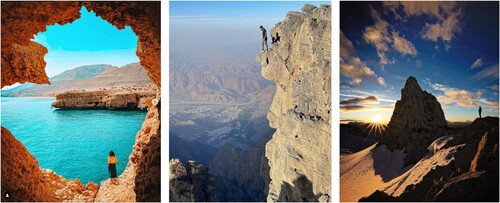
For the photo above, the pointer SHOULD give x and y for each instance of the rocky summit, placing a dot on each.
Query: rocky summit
(299, 62)
(417, 120)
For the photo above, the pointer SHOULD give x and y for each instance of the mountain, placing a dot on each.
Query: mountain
(299, 62)
(88, 71)
(86, 77)
(220, 74)
(417, 121)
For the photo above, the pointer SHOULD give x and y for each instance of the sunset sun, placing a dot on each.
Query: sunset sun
(376, 119)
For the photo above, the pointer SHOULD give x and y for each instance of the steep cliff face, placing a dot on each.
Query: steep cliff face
(190, 182)
(416, 122)
(116, 98)
(241, 175)
(300, 64)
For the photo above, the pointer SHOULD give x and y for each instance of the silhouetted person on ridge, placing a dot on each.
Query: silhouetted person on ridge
(264, 38)
(480, 110)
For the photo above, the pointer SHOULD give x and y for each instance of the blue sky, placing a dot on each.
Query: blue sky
(225, 23)
(451, 48)
(88, 40)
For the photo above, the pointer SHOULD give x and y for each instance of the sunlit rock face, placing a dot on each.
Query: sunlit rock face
(299, 62)
(22, 61)
(416, 122)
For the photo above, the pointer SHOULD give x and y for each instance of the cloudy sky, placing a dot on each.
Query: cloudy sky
(451, 48)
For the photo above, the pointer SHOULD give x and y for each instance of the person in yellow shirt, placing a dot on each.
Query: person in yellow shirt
(112, 161)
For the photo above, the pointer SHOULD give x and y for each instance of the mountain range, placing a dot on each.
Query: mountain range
(85, 77)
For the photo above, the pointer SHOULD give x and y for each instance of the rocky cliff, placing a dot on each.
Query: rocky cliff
(469, 174)
(190, 182)
(25, 181)
(241, 175)
(417, 120)
(130, 98)
(299, 62)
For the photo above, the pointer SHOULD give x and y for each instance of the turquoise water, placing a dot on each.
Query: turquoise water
(73, 143)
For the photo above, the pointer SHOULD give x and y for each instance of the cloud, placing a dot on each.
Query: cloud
(403, 46)
(352, 66)
(462, 98)
(355, 108)
(453, 97)
(447, 15)
(487, 74)
(489, 103)
(477, 63)
(379, 36)
(493, 87)
(366, 100)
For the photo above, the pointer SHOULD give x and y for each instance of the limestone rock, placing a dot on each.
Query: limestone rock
(300, 64)
(22, 177)
(116, 98)
(416, 122)
(190, 182)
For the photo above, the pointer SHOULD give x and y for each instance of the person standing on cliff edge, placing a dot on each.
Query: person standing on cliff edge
(264, 38)
(480, 110)
(112, 161)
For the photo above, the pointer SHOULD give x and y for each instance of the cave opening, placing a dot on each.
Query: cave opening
(23, 61)
(86, 56)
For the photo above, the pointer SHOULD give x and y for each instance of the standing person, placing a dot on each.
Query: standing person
(112, 161)
(480, 110)
(264, 37)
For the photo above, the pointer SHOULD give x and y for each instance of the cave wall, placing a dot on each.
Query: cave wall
(22, 61)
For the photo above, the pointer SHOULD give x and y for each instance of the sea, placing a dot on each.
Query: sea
(72, 143)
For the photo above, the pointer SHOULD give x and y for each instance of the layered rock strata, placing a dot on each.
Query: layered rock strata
(416, 122)
(116, 98)
(300, 64)
(190, 182)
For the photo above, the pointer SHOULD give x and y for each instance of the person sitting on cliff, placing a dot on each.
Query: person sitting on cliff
(264, 38)
(480, 110)
(112, 161)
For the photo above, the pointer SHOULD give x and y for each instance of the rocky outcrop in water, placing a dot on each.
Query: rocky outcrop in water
(25, 181)
(190, 182)
(300, 64)
(416, 122)
(130, 98)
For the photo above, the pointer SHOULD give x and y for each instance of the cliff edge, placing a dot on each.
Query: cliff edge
(299, 62)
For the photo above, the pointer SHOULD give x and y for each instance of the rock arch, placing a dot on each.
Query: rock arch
(22, 61)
